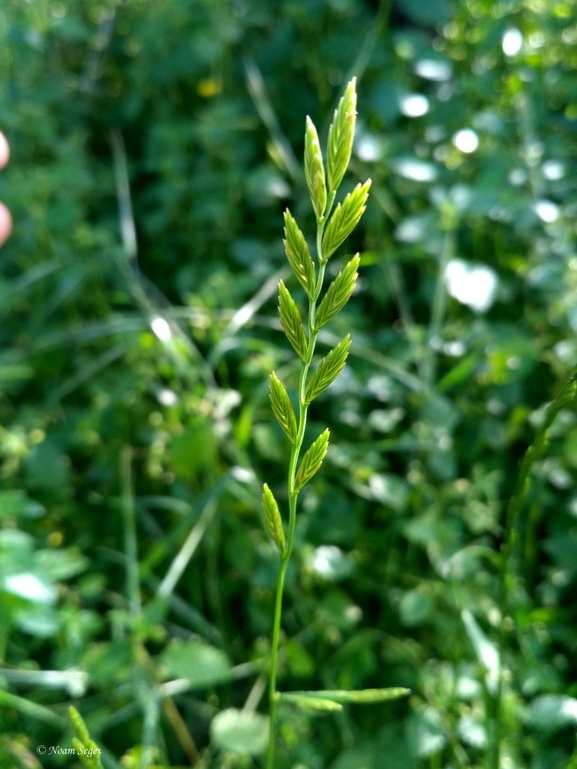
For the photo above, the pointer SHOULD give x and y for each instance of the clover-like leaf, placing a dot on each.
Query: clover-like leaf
(282, 407)
(341, 134)
(328, 369)
(338, 293)
(312, 460)
(314, 170)
(291, 321)
(272, 519)
(299, 255)
(344, 219)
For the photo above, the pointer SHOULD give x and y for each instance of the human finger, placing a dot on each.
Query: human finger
(4, 150)
(5, 223)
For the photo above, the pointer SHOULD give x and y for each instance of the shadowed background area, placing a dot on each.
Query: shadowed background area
(154, 148)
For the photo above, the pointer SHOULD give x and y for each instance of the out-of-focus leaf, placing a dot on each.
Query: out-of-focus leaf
(425, 732)
(432, 13)
(199, 663)
(240, 732)
(552, 712)
(485, 650)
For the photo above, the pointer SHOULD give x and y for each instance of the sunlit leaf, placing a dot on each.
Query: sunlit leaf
(345, 218)
(273, 519)
(314, 170)
(299, 255)
(328, 369)
(291, 321)
(282, 407)
(341, 134)
(312, 460)
(338, 293)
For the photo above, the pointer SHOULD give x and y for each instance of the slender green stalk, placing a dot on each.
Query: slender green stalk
(332, 231)
(148, 700)
(567, 394)
(293, 491)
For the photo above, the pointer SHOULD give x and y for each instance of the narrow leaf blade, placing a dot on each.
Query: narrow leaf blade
(308, 701)
(361, 696)
(299, 255)
(312, 460)
(328, 369)
(345, 218)
(282, 407)
(486, 651)
(291, 321)
(338, 293)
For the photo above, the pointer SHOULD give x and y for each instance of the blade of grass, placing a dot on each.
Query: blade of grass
(31, 709)
(145, 692)
(140, 287)
(187, 550)
(438, 311)
(258, 93)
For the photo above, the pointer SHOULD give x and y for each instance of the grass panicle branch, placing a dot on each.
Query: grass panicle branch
(332, 231)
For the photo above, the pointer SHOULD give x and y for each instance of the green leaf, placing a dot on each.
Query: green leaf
(282, 407)
(272, 518)
(308, 701)
(314, 170)
(240, 731)
(341, 134)
(299, 255)
(552, 712)
(291, 321)
(338, 293)
(345, 218)
(201, 664)
(16, 504)
(312, 460)
(341, 696)
(328, 369)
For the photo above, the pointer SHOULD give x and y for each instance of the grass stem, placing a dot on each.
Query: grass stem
(292, 490)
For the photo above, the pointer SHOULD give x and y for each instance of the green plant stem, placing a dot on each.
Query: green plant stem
(292, 490)
(533, 453)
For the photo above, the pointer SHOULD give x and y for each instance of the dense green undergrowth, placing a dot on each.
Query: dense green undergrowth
(154, 149)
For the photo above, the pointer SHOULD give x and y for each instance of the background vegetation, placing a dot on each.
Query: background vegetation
(154, 148)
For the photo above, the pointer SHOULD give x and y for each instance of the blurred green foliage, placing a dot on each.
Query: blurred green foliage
(154, 148)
